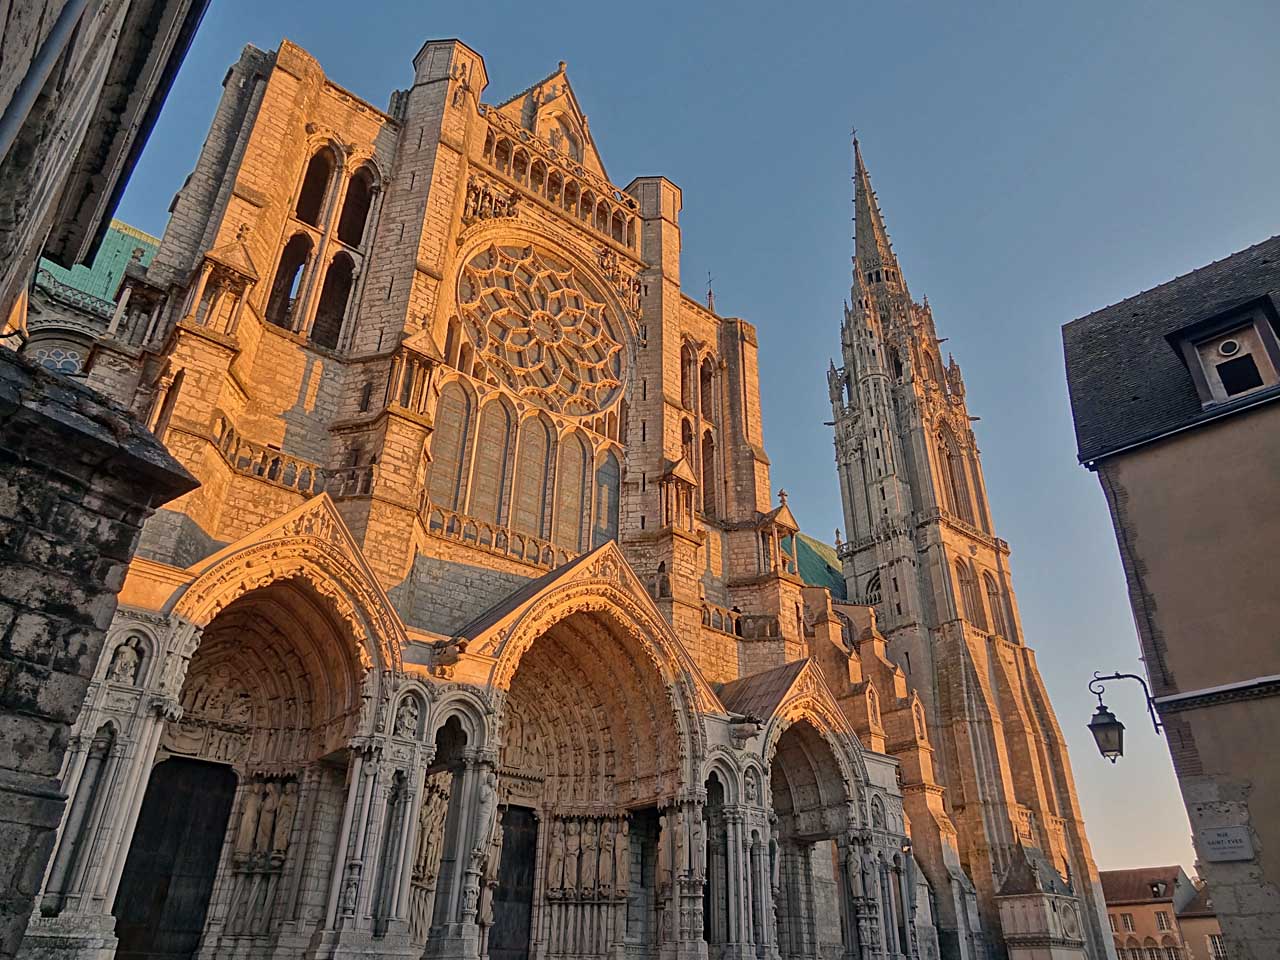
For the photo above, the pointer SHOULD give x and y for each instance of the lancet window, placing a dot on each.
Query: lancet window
(571, 479)
(315, 187)
(492, 462)
(355, 208)
(532, 472)
(335, 296)
(995, 600)
(449, 446)
(608, 491)
(970, 600)
(288, 282)
(951, 466)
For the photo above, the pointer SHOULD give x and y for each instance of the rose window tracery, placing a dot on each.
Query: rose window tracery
(542, 329)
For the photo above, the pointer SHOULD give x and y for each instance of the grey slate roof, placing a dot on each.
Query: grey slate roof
(1127, 383)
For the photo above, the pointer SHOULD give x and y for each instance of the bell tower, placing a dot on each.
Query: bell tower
(921, 548)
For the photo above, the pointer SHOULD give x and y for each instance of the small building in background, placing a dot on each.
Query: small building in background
(1142, 908)
(1201, 932)
(1174, 395)
(81, 85)
(68, 310)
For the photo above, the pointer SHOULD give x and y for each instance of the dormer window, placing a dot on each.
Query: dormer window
(1235, 363)
(1233, 355)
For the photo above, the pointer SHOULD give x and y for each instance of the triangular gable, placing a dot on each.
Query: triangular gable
(550, 110)
(783, 517)
(318, 518)
(235, 256)
(485, 635)
(681, 470)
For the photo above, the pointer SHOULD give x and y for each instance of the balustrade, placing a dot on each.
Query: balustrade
(491, 537)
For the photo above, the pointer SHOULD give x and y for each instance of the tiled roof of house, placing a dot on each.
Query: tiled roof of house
(1127, 383)
(1135, 886)
(1201, 905)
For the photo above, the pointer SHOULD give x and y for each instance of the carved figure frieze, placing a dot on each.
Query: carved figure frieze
(485, 201)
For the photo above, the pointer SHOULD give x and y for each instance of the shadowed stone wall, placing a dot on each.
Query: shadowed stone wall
(77, 479)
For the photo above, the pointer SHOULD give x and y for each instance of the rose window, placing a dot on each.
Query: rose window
(542, 329)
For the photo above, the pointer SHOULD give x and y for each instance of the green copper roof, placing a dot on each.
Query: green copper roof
(102, 279)
(819, 565)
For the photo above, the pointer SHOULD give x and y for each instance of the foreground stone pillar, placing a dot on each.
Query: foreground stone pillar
(78, 476)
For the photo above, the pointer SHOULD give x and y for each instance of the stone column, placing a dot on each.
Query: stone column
(469, 828)
(78, 476)
(197, 292)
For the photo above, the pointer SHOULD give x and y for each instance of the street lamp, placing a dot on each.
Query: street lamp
(1108, 732)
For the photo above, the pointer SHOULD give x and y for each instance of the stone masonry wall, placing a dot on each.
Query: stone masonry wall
(77, 479)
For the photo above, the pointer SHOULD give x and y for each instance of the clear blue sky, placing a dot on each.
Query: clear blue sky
(1034, 162)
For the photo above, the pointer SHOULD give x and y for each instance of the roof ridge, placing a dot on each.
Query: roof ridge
(1174, 279)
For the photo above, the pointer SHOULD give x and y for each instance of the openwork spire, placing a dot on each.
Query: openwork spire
(874, 261)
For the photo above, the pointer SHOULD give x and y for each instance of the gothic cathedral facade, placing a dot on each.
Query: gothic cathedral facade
(484, 635)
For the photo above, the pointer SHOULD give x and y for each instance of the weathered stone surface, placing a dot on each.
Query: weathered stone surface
(78, 477)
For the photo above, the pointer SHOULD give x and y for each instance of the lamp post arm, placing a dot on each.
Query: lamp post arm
(1096, 687)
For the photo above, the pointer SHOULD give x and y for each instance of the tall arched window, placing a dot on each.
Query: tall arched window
(971, 602)
(355, 208)
(872, 593)
(449, 446)
(533, 467)
(686, 377)
(286, 286)
(954, 480)
(334, 296)
(708, 481)
(995, 601)
(315, 184)
(706, 394)
(571, 489)
(492, 461)
(608, 489)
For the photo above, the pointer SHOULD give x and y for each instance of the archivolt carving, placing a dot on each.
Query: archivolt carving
(830, 723)
(374, 625)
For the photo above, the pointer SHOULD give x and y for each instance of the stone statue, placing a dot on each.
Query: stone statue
(590, 863)
(664, 854)
(248, 821)
(605, 875)
(349, 894)
(572, 847)
(488, 811)
(751, 787)
(622, 859)
(266, 820)
(284, 817)
(681, 865)
(555, 860)
(125, 662)
(407, 717)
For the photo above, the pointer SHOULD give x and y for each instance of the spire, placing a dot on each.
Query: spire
(873, 251)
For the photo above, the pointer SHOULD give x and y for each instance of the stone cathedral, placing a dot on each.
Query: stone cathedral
(484, 634)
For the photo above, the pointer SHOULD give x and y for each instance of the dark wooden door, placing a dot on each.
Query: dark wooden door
(169, 873)
(513, 901)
